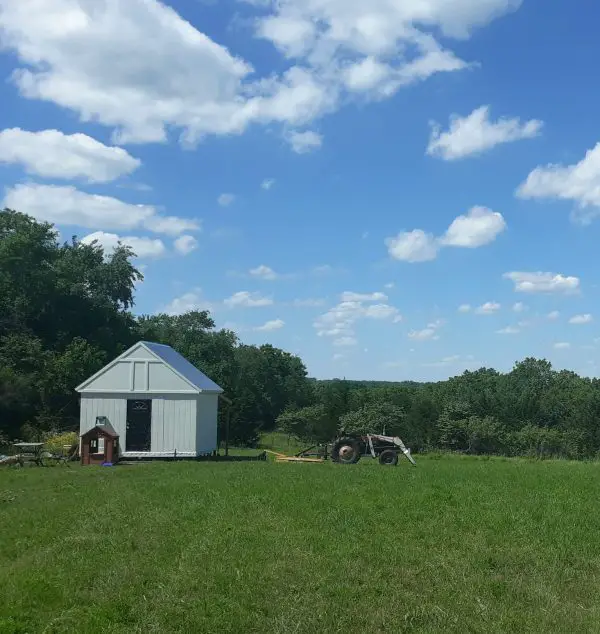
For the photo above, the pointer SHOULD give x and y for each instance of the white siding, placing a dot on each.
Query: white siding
(206, 423)
(115, 379)
(173, 424)
(114, 408)
(162, 379)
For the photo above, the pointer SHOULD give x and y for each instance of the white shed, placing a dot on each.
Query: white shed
(156, 400)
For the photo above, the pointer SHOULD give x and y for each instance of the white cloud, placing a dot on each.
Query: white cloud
(188, 302)
(337, 356)
(383, 311)
(246, 299)
(413, 246)
(427, 333)
(70, 206)
(135, 66)
(423, 335)
(264, 272)
(476, 133)
(225, 200)
(489, 308)
(345, 341)
(562, 345)
(389, 285)
(273, 324)
(465, 308)
(553, 315)
(309, 302)
(142, 247)
(478, 227)
(581, 319)
(141, 69)
(52, 154)
(340, 320)
(185, 244)
(304, 142)
(349, 296)
(267, 184)
(519, 307)
(509, 330)
(540, 282)
(579, 183)
(365, 46)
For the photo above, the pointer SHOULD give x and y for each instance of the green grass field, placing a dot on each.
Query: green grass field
(455, 545)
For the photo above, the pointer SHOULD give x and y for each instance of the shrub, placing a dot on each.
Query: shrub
(54, 442)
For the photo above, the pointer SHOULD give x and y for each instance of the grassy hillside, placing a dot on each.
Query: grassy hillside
(455, 545)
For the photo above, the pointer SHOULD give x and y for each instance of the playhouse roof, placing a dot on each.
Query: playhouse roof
(106, 429)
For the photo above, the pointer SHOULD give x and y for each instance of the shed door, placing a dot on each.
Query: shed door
(139, 424)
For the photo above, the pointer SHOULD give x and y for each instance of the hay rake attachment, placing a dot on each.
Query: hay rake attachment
(350, 449)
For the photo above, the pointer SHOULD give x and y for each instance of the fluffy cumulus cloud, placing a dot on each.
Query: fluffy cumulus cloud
(562, 345)
(52, 154)
(193, 300)
(142, 247)
(70, 206)
(304, 142)
(246, 299)
(340, 320)
(476, 133)
(478, 227)
(264, 272)
(579, 320)
(489, 308)
(272, 324)
(578, 183)
(225, 200)
(509, 330)
(351, 296)
(465, 308)
(540, 282)
(428, 333)
(413, 246)
(185, 244)
(141, 69)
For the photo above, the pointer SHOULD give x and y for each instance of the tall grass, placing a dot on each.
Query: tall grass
(455, 545)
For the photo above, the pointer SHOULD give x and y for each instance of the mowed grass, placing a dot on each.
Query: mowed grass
(455, 545)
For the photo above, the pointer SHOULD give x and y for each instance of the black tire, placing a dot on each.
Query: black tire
(388, 457)
(346, 451)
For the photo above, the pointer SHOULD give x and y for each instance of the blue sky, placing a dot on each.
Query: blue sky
(392, 190)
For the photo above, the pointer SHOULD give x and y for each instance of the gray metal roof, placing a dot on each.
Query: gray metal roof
(180, 364)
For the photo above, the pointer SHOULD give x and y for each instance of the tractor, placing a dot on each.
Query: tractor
(349, 449)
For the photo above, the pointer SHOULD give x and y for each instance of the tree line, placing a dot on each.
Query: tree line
(66, 309)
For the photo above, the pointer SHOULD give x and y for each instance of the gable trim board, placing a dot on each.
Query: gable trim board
(139, 365)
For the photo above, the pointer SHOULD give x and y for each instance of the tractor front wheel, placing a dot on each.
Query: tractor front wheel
(388, 457)
(346, 451)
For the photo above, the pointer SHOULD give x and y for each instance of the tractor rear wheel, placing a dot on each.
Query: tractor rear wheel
(346, 451)
(388, 457)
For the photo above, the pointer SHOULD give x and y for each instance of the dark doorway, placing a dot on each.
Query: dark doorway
(139, 424)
